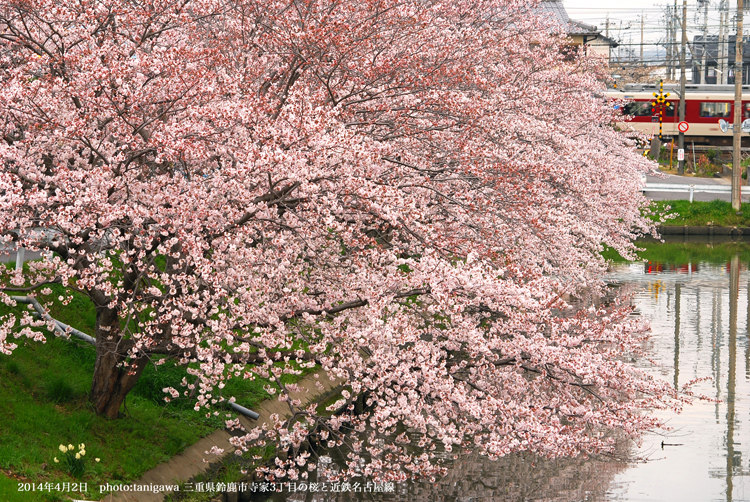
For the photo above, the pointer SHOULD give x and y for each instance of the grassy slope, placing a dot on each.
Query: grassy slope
(716, 212)
(687, 252)
(44, 387)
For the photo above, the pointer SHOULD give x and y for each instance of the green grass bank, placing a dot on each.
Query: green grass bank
(673, 252)
(44, 394)
(716, 213)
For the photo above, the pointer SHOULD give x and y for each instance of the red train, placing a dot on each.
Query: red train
(705, 105)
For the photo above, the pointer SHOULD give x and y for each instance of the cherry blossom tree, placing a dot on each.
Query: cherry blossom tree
(401, 192)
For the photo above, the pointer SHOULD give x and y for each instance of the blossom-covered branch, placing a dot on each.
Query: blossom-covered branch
(401, 192)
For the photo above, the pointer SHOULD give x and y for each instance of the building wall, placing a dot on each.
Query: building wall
(595, 46)
(600, 48)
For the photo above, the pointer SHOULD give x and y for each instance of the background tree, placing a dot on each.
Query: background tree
(399, 191)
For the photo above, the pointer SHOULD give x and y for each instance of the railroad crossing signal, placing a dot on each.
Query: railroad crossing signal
(658, 105)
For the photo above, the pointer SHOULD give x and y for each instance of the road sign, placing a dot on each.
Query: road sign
(723, 125)
(683, 126)
(680, 154)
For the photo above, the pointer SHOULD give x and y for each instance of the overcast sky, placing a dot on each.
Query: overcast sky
(624, 14)
(625, 18)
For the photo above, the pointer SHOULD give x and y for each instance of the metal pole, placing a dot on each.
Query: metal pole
(683, 81)
(59, 327)
(737, 143)
(695, 167)
(244, 411)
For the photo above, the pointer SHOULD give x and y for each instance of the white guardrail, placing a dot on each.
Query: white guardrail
(678, 187)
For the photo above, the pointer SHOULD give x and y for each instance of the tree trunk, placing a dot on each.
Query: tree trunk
(112, 381)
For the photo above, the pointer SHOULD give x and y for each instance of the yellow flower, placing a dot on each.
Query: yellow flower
(57, 461)
(96, 459)
(63, 448)
(70, 446)
(82, 452)
(78, 455)
(81, 446)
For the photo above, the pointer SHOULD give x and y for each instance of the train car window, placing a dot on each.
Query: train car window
(669, 109)
(715, 110)
(638, 109)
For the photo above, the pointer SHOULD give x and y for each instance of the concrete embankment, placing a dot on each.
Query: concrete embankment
(705, 230)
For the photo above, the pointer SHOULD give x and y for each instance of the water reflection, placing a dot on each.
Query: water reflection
(678, 289)
(695, 312)
(732, 459)
(700, 316)
(474, 478)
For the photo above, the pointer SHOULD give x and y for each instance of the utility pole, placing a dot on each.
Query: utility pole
(669, 43)
(631, 54)
(683, 81)
(642, 38)
(722, 44)
(606, 27)
(606, 34)
(737, 130)
(725, 42)
(675, 52)
(704, 70)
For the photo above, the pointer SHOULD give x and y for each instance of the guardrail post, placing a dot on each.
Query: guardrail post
(692, 187)
(61, 328)
(244, 411)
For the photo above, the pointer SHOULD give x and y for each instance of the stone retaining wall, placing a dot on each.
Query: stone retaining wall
(704, 230)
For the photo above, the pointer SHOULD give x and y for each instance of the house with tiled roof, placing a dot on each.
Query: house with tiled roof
(580, 34)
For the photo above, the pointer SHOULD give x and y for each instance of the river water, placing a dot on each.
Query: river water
(700, 317)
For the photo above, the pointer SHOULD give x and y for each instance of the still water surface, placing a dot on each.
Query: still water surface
(700, 316)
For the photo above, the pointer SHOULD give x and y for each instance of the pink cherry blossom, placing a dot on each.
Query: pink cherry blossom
(402, 193)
